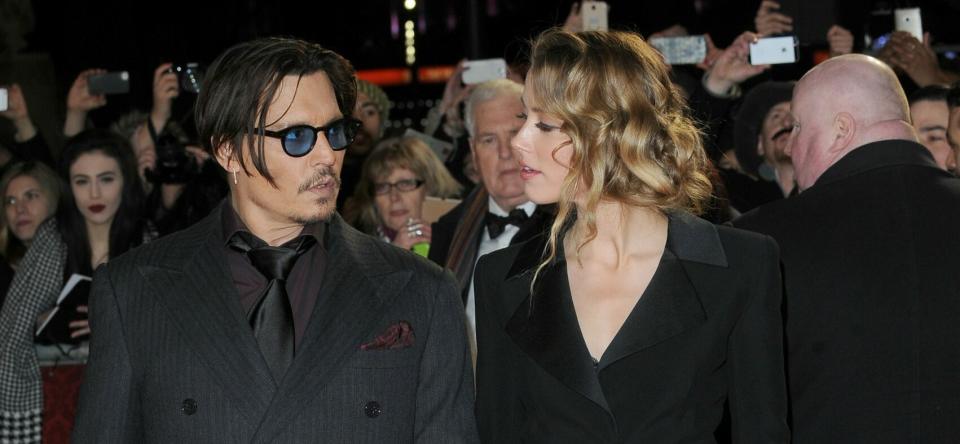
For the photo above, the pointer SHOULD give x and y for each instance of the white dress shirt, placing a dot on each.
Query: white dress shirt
(488, 245)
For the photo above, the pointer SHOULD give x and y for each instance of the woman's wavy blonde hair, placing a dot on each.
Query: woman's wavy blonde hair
(633, 140)
(398, 152)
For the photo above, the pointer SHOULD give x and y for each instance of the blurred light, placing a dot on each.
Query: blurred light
(408, 34)
(411, 59)
(409, 4)
(408, 24)
(411, 50)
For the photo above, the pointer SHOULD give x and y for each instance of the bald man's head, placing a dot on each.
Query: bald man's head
(844, 103)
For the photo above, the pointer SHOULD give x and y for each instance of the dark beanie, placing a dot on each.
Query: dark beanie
(749, 120)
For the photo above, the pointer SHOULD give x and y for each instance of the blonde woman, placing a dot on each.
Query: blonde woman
(633, 320)
(395, 180)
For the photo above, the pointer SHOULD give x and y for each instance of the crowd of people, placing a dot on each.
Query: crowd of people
(634, 252)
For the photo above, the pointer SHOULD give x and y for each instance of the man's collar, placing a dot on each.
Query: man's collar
(527, 207)
(877, 155)
(232, 223)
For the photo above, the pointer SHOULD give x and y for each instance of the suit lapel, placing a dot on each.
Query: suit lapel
(547, 329)
(201, 299)
(357, 285)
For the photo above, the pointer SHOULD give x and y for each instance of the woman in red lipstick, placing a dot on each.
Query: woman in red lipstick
(396, 179)
(632, 320)
(100, 216)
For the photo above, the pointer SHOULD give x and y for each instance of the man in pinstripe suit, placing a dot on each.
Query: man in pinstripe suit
(272, 320)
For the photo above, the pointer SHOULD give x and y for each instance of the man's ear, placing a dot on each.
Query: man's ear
(845, 130)
(225, 157)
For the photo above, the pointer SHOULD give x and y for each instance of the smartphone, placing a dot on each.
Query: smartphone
(109, 83)
(3, 99)
(594, 16)
(908, 19)
(773, 51)
(479, 71)
(686, 50)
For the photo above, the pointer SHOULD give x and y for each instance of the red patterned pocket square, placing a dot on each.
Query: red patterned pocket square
(399, 335)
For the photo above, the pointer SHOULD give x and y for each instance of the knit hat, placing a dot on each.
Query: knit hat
(379, 99)
(749, 121)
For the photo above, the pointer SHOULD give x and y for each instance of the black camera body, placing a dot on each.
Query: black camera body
(174, 165)
(189, 76)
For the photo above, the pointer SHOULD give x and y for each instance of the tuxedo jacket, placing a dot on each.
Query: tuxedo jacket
(707, 330)
(456, 235)
(173, 359)
(871, 263)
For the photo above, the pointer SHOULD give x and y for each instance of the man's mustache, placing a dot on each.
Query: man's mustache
(320, 176)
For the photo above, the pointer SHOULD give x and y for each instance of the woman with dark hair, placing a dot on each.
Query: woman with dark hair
(100, 216)
(632, 320)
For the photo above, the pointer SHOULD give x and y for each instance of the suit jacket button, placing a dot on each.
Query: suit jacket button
(372, 409)
(188, 407)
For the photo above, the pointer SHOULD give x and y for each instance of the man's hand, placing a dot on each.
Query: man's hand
(454, 93)
(770, 22)
(80, 327)
(733, 66)
(840, 40)
(915, 58)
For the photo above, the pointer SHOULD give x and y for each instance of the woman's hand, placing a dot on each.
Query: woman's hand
(80, 327)
(415, 232)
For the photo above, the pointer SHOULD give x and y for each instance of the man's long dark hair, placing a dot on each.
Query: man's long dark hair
(127, 228)
(248, 76)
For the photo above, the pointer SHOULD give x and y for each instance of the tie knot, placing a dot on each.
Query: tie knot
(271, 262)
(497, 224)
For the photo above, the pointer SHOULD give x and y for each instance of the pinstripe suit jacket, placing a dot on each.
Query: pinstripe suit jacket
(172, 358)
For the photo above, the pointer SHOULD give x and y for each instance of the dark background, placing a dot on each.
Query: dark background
(70, 36)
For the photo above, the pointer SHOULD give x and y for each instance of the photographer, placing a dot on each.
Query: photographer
(168, 164)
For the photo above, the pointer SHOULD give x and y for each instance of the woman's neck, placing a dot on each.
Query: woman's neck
(622, 232)
(99, 237)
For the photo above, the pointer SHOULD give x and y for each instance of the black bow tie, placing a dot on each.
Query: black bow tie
(496, 224)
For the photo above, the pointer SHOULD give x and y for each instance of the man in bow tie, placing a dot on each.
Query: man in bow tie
(272, 320)
(498, 213)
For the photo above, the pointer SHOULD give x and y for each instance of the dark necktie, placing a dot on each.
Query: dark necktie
(271, 316)
(496, 224)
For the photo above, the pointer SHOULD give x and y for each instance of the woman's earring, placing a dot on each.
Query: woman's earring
(234, 177)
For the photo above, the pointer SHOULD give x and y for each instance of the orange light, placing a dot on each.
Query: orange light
(386, 76)
(435, 74)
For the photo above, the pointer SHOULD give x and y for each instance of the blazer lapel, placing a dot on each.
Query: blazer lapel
(202, 301)
(670, 304)
(357, 284)
(545, 325)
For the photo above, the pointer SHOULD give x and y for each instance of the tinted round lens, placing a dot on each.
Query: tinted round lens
(298, 140)
(337, 136)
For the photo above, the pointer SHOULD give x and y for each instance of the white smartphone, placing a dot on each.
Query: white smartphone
(773, 51)
(3, 99)
(908, 19)
(686, 50)
(479, 71)
(594, 16)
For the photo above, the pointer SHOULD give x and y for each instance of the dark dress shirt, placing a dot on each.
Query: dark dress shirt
(303, 283)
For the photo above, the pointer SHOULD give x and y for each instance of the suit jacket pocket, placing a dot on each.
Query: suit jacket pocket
(404, 357)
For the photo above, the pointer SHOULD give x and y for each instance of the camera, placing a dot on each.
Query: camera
(174, 165)
(189, 76)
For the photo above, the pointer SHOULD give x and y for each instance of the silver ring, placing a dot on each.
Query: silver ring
(418, 233)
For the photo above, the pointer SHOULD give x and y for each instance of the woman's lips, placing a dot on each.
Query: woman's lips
(24, 222)
(398, 213)
(97, 208)
(526, 173)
